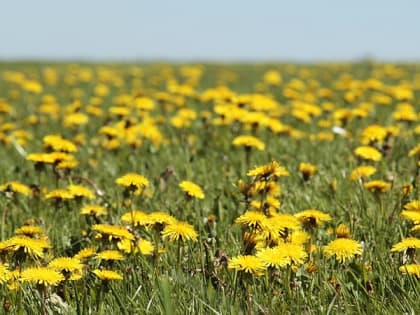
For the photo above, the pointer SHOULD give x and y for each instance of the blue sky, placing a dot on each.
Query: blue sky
(187, 30)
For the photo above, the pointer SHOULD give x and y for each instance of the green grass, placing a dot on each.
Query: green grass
(200, 282)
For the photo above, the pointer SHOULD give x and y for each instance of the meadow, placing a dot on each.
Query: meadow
(209, 188)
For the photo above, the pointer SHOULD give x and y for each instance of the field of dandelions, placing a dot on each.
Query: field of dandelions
(209, 189)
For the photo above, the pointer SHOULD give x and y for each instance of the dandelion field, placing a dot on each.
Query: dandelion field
(209, 189)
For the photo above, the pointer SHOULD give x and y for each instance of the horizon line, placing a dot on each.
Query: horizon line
(228, 60)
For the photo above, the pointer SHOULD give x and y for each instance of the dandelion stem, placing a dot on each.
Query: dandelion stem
(287, 281)
(99, 300)
(178, 259)
(43, 291)
(249, 298)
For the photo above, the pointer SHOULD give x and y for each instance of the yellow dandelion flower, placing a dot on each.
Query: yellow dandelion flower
(343, 249)
(110, 255)
(246, 189)
(342, 231)
(32, 86)
(413, 205)
(4, 273)
(295, 253)
(260, 187)
(191, 189)
(41, 275)
(272, 257)
(248, 264)
(14, 283)
(80, 138)
(415, 151)
(5, 108)
(58, 144)
(307, 170)
(136, 218)
(311, 267)
(85, 253)
(94, 210)
(248, 142)
(58, 157)
(16, 187)
(180, 122)
(298, 237)
(268, 237)
(79, 191)
(146, 247)
(406, 243)
(119, 111)
(133, 181)
(109, 131)
(362, 172)
(29, 230)
(411, 269)
(257, 240)
(272, 77)
(162, 218)
(68, 164)
(312, 217)
(301, 115)
(271, 203)
(39, 158)
(405, 113)
(59, 194)
(5, 246)
(407, 189)
(144, 103)
(368, 153)
(50, 158)
(377, 186)
(31, 246)
(283, 223)
(253, 219)
(107, 275)
(411, 215)
(113, 231)
(373, 133)
(125, 245)
(67, 264)
(415, 228)
(268, 171)
(179, 231)
(75, 119)
(76, 275)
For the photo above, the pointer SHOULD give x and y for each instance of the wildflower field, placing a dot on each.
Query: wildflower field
(209, 189)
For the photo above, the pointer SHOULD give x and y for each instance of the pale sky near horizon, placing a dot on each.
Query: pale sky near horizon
(188, 30)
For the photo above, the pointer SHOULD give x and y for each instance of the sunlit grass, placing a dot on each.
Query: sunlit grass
(209, 189)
